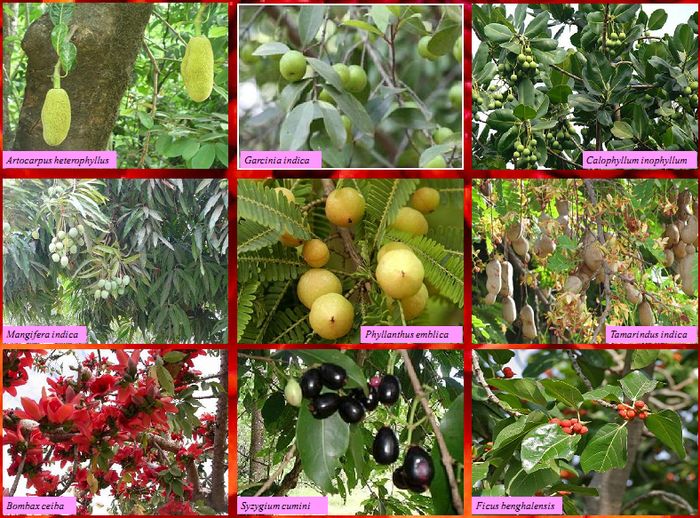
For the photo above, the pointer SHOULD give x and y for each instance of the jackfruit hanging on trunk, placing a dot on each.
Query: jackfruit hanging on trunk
(197, 68)
(55, 116)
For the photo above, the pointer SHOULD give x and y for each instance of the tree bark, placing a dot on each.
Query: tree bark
(612, 484)
(8, 29)
(218, 499)
(256, 469)
(108, 38)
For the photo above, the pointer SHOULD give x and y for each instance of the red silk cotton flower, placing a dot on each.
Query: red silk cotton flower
(102, 385)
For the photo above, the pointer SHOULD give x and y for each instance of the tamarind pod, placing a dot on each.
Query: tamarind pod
(600, 276)
(509, 311)
(690, 230)
(491, 298)
(685, 269)
(633, 295)
(573, 284)
(493, 277)
(679, 250)
(562, 207)
(669, 257)
(506, 279)
(646, 315)
(672, 233)
(593, 256)
(545, 246)
(527, 317)
(521, 246)
(545, 223)
(55, 116)
(515, 231)
(197, 68)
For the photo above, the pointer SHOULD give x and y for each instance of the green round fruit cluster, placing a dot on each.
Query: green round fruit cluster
(113, 286)
(65, 244)
(522, 66)
(558, 137)
(525, 154)
(691, 92)
(614, 39)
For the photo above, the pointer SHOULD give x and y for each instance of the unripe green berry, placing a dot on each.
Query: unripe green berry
(510, 97)
(498, 104)
(520, 147)
(526, 152)
(522, 58)
(514, 77)
(516, 154)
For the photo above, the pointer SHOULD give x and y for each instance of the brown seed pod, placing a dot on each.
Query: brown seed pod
(545, 246)
(690, 231)
(593, 257)
(680, 251)
(493, 280)
(672, 233)
(562, 207)
(527, 317)
(646, 315)
(685, 270)
(516, 231)
(509, 311)
(669, 257)
(573, 284)
(521, 247)
(506, 279)
(633, 295)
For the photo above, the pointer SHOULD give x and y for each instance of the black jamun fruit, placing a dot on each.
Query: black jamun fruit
(419, 470)
(371, 401)
(324, 405)
(311, 384)
(385, 448)
(399, 478)
(351, 410)
(389, 390)
(333, 376)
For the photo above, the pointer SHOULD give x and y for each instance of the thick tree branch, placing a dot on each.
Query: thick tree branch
(670, 498)
(218, 499)
(445, 456)
(268, 483)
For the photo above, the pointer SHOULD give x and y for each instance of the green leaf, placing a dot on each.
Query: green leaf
(523, 112)
(537, 25)
(517, 430)
(607, 449)
(359, 24)
(501, 120)
(444, 39)
(657, 19)
(310, 20)
(546, 443)
(321, 443)
(563, 392)
(643, 357)
(165, 379)
(636, 385)
(606, 393)
(295, 128)
(174, 356)
(622, 130)
(527, 389)
(667, 427)
(204, 158)
(497, 32)
(272, 48)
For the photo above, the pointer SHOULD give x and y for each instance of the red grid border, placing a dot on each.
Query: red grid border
(232, 174)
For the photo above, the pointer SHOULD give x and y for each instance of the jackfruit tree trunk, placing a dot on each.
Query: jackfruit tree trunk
(108, 38)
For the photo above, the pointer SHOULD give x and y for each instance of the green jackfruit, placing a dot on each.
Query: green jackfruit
(197, 68)
(55, 116)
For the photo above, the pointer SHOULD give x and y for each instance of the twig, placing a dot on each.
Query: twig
(476, 368)
(445, 456)
(154, 102)
(664, 495)
(268, 483)
(586, 381)
(177, 34)
(20, 469)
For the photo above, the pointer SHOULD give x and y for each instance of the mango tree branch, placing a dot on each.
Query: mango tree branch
(447, 460)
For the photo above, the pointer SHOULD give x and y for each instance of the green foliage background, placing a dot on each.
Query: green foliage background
(169, 236)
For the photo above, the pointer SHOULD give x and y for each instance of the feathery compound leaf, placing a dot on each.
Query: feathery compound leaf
(271, 302)
(289, 326)
(384, 200)
(253, 236)
(267, 207)
(277, 263)
(444, 271)
(246, 297)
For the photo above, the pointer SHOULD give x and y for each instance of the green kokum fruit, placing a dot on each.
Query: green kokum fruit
(343, 72)
(441, 134)
(55, 116)
(197, 68)
(357, 79)
(436, 163)
(423, 49)
(293, 66)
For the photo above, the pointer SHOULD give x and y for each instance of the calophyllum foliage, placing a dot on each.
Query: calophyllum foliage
(539, 100)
